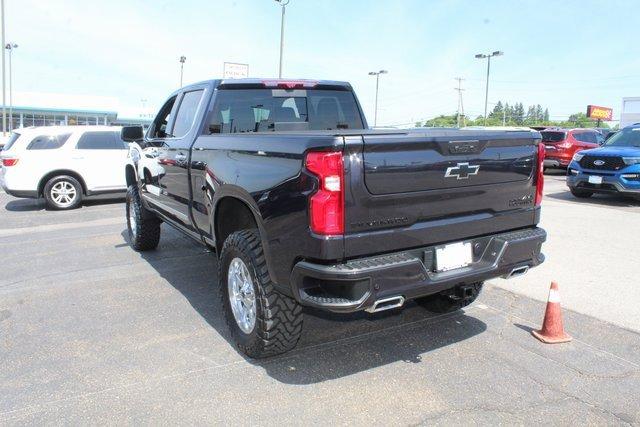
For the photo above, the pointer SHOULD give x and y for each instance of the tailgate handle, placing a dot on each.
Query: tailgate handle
(464, 147)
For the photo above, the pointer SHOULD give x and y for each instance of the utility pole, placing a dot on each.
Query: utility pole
(182, 60)
(4, 100)
(283, 4)
(10, 47)
(486, 94)
(377, 74)
(460, 104)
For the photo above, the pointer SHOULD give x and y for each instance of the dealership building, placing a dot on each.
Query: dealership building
(630, 111)
(40, 109)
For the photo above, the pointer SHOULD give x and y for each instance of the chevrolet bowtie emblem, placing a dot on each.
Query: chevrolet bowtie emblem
(462, 171)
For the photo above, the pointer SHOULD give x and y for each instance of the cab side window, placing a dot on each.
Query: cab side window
(186, 113)
(158, 128)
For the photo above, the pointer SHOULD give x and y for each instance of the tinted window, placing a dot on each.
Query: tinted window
(12, 139)
(262, 110)
(629, 137)
(106, 140)
(186, 113)
(48, 142)
(158, 128)
(586, 137)
(553, 136)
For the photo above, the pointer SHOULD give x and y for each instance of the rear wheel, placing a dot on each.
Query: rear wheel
(452, 299)
(581, 194)
(63, 192)
(262, 321)
(143, 226)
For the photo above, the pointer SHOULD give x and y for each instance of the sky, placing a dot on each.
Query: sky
(560, 54)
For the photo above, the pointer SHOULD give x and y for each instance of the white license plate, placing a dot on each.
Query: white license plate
(594, 179)
(455, 255)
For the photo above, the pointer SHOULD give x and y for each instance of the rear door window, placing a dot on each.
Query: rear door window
(589, 137)
(105, 140)
(48, 142)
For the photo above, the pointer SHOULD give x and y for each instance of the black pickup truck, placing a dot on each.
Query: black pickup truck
(306, 206)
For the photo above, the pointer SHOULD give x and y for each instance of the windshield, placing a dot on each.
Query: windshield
(553, 136)
(625, 138)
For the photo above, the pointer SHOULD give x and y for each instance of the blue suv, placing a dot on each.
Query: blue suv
(612, 168)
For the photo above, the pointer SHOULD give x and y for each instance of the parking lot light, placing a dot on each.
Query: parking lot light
(486, 95)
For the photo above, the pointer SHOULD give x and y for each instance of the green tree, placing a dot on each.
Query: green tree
(518, 114)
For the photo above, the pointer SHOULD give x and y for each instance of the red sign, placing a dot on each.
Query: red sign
(600, 113)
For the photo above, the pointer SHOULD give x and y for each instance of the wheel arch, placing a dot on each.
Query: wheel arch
(244, 213)
(60, 172)
(130, 175)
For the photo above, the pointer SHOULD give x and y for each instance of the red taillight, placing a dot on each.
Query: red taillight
(9, 162)
(290, 84)
(540, 174)
(326, 206)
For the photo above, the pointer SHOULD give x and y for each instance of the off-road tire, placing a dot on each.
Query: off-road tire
(279, 318)
(449, 301)
(51, 203)
(145, 235)
(581, 194)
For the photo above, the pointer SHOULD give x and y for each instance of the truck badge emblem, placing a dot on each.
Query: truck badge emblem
(462, 171)
(598, 162)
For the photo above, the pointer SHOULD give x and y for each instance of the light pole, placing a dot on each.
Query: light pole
(377, 74)
(10, 47)
(283, 5)
(486, 94)
(4, 101)
(182, 59)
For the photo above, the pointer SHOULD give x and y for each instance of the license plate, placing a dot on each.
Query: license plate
(455, 255)
(595, 179)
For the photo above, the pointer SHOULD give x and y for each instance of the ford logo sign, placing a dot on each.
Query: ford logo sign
(598, 162)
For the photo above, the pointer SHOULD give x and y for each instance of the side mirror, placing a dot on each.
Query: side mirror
(132, 133)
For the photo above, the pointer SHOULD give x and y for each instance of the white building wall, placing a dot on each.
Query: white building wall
(630, 112)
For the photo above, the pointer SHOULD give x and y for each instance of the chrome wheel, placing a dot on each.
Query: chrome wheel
(63, 193)
(131, 213)
(242, 297)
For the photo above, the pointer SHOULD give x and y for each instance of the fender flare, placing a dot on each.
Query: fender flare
(242, 195)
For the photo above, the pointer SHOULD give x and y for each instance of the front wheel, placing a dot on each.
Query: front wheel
(143, 226)
(452, 299)
(63, 192)
(581, 194)
(262, 321)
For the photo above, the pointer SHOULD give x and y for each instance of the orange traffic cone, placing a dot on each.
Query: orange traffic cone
(552, 331)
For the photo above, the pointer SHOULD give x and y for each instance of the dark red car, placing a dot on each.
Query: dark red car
(562, 144)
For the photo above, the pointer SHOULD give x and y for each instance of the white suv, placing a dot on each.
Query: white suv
(64, 163)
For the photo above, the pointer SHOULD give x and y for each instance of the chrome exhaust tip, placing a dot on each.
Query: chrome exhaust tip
(386, 304)
(518, 271)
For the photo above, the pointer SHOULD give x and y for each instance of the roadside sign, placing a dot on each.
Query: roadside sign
(599, 113)
(235, 71)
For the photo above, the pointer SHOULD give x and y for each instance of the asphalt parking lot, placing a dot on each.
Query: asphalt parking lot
(93, 332)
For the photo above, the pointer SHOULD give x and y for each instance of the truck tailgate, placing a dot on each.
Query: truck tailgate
(421, 188)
